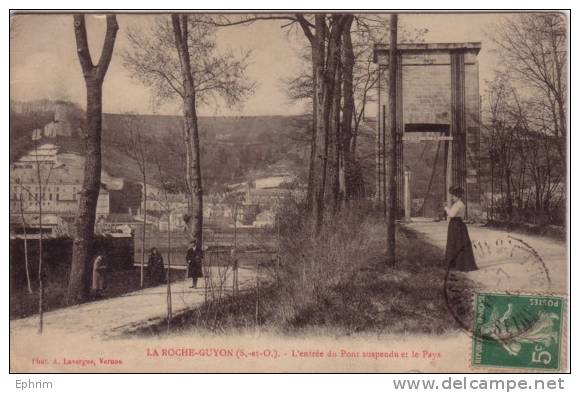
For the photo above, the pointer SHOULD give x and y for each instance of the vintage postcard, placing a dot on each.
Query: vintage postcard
(289, 192)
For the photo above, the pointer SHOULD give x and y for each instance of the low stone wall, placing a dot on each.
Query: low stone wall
(57, 256)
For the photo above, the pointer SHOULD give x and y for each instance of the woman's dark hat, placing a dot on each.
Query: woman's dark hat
(456, 191)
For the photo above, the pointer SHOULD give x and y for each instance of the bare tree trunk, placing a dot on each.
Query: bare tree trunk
(560, 93)
(85, 220)
(168, 276)
(317, 57)
(562, 146)
(492, 192)
(385, 157)
(319, 171)
(89, 193)
(335, 155)
(143, 235)
(326, 130)
(40, 278)
(191, 131)
(40, 201)
(324, 72)
(135, 148)
(378, 148)
(310, 189)
(257, 320)
(235, 255)
(26, 267)
(390, 138)
(508, 190)
(348, 141)
(40, 264)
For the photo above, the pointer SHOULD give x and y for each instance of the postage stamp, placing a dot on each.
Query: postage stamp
(519, 331)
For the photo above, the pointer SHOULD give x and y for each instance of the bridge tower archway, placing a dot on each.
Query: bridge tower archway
(438, 113)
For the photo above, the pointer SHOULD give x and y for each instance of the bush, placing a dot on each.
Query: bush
(311, 266)
(337, 283)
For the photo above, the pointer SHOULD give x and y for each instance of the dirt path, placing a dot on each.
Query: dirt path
(508, 261)
(113, 316)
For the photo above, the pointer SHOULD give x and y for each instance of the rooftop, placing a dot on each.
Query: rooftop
(441, 46)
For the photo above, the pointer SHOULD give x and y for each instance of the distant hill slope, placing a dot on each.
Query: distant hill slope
(231, 147)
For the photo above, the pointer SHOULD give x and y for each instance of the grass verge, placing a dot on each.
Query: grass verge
(336, 284)
(24, 304)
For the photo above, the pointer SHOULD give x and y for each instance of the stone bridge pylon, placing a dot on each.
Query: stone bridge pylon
(438, 102)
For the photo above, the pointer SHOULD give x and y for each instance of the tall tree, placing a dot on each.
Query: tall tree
(348, 140)
(177, 59)
(190, 130)
(334, 85)
(522, 153)
(42, 171)
(357, 79)
(166, 204)
(325, 37)
(23, 222)
(135, 146)
(94, 76)
(326, 171)
(390, 145)
(317, 45)
(533, 47)
(335, 117)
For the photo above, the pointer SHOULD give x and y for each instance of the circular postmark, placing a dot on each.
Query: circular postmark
(507, 265)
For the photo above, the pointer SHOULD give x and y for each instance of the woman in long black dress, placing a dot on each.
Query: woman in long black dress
(156, 268)
(458, 253)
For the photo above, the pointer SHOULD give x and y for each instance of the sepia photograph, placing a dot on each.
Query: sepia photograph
(289, 192)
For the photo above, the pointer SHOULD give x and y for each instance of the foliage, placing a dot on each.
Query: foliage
(533, 49)
(153, 60)
(524, 172)
(524, 121)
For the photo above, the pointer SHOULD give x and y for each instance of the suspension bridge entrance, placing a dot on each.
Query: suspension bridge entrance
(438, 117)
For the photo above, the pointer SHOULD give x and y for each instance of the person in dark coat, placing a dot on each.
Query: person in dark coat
(459, 252)
(194, 259)
(156, 269)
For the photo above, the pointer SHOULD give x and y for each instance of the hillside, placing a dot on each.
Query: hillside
(231, 147)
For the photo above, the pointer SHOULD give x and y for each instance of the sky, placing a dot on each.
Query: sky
(44, 63)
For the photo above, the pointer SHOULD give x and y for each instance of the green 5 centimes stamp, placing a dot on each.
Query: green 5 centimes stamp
(520, 331)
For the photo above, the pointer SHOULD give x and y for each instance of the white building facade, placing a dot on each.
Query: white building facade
(47, 180)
